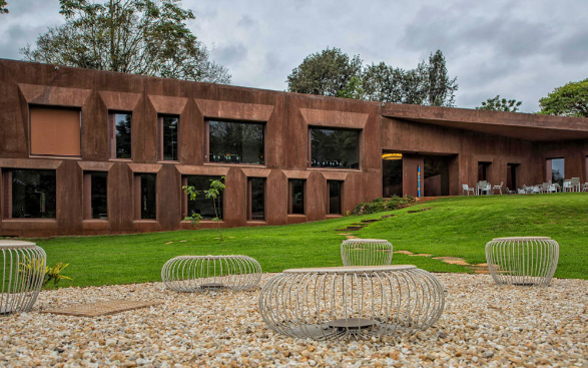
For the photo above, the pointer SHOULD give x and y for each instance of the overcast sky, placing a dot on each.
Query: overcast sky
(519, 49)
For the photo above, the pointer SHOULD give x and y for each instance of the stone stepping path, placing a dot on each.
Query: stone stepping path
(481, 268)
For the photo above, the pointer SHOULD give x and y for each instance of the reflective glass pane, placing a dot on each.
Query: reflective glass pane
(33, 194)
(336, 148)
(297, 187)
(122, 126)
(148, 199)
(99, 199)
(202, 205)
(558, 170)
(170, 137)
(257, 198)
(235, 142)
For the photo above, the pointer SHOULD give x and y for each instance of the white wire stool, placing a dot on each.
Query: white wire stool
(200, 273)
(366, 252)
(22, 275)
(351, 302)
(525, 261)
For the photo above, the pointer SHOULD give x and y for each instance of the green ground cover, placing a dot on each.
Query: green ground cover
(458, 227)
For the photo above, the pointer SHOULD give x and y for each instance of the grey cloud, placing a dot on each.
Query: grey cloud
(230, 55)
(573, 50)
(246, 21)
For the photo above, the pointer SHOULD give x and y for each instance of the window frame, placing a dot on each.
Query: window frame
(137, 197)
(112, 134)
(341, 198)
(321, 127)
(185, 199)
(250, 199)
(87, 195)
(240, 121)
(7, 195)
(291, 194)
(161, 155)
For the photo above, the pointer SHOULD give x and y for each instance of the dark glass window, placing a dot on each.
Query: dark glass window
(235, 142)
(336, 148)
(122, 135)
(335, 194)
(148, 199)
(98, 198)
(297, 196)
(392, 172)
(203, 205)
(257, 198)
(169, 134)
(33, 194)
(558, 171)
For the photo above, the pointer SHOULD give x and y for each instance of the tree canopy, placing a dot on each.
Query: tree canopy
(326, 73)
(500, 104)
(3, 9)
(147, 37)
(568, 100)
(333, 73)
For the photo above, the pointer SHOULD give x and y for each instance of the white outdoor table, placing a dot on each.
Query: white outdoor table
(351, 302)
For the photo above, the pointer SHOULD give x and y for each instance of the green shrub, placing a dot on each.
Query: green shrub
(381, 205)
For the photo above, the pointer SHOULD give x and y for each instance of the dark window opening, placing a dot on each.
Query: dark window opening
(121, 135)
(256, 198)
(95, 195)
(335, 202)
(32, 193)
(511, 176)
(335, 148)
(483, 171)
(392, 171)
(169, 128)
(297, 189)
(202, 205)
(146, 199)
(236, 142)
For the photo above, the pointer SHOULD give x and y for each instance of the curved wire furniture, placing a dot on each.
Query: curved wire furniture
(523, 261)
(199, 273)
(22, 276)
(351, 302)
(366, 252)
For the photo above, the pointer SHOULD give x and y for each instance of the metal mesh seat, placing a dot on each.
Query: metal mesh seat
(366, 252)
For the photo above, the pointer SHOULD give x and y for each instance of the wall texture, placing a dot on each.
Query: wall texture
(465, 135)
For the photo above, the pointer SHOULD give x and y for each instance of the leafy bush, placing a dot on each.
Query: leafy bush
(381, 205)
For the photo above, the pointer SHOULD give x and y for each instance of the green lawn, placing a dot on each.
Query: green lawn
(458, 227)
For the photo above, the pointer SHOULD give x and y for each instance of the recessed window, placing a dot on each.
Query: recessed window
(29, 194)
(556, 166)
(95, 195)
(235, 142)
(256, 196)
(120, 138)
(202, 205)
(296, 188)
(145, 197)
(169, 126)
(334, 148)
(335, 199)
(55, 131)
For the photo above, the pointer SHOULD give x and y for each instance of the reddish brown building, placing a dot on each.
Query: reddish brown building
(93, 152)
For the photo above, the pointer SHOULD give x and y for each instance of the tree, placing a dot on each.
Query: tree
(568, 100)
(498, 104)
(327, 73)
(213, 192)
(3, 9)
(439, 88)
(148, 37)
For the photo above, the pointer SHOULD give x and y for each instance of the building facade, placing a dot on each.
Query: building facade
(91, 152)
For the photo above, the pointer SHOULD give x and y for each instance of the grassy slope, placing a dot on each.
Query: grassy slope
(453, 227)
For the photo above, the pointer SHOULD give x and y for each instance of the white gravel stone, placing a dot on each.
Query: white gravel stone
(483, 325)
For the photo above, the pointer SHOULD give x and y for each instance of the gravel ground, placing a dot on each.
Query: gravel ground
(482, 325)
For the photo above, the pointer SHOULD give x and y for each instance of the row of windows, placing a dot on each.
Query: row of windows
(32, 194)
(56, 131)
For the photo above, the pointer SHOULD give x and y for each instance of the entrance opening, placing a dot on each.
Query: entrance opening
(483, 171)
(392, 172)
(511, 176)
(436, 175)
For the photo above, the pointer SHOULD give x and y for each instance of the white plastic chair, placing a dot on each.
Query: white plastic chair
(485, 187)
(585, 187)
(498, 187)
(575, 183)
(467, 189)
(567, 186)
